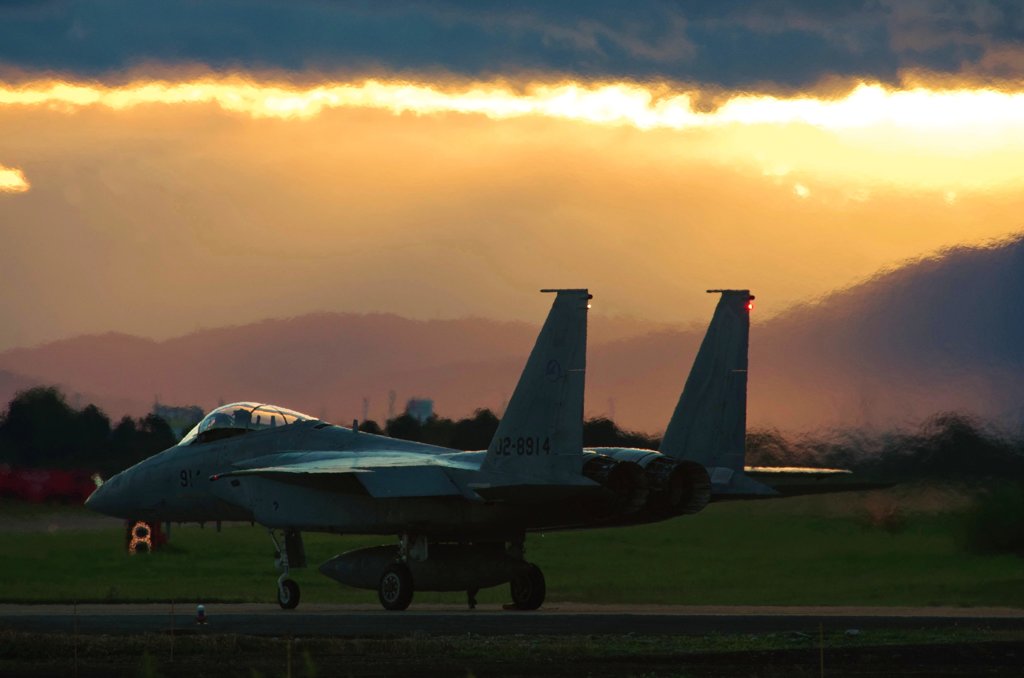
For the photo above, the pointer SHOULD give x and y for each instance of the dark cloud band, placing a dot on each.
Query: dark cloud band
(734, 44)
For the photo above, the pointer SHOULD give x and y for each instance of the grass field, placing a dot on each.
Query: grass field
(827, 550)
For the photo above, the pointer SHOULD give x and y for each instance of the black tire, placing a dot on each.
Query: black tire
(288, 595)
(396, 587)
(528, 589)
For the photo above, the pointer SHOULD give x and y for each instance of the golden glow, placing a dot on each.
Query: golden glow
(934, 137)
(636, 105)
(12, 180)
(803, 470)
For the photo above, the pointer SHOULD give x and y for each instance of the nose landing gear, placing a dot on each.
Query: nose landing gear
(293, 554)
(287, 593)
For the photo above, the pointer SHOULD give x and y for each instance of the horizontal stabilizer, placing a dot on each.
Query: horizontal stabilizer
(790, 481)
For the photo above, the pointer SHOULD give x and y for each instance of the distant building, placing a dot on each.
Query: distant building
(420, 409)
(180, 419)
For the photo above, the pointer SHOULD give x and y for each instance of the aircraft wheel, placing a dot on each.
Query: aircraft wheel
(288, 595)
(396, 587)
(528, 588)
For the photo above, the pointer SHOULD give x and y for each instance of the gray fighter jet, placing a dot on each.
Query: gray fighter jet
(460, 517)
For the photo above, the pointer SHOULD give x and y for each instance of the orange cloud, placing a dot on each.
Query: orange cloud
(12, 180)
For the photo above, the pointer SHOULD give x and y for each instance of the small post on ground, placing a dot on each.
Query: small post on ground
(75, 640)
(172, 631)
(821, 648)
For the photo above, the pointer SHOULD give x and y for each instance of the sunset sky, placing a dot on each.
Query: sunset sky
(176, 165)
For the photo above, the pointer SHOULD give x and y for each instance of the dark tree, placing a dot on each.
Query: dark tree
(475, 433)
(132, 440)
(768, 447)
(40, 428)
(602, 432)
(405, 427)
(370, 426)
(156, 435)
(94, 427)
(437, 431)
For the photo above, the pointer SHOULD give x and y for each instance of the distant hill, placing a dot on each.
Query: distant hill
(944, 333)
(12, 382)
(323, 364)
(939, 334)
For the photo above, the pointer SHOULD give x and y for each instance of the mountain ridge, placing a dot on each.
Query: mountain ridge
(941, 333)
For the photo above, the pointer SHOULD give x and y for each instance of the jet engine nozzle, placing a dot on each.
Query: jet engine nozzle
(626, 480)
(677, 487)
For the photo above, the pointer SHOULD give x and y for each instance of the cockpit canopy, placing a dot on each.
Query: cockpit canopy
(241, 417)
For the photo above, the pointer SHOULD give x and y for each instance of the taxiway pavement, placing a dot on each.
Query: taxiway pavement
(554, 619)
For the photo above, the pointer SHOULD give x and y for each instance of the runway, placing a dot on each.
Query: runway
(445, 620)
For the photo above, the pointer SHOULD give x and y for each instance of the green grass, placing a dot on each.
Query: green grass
(13, 508)
(805, 551)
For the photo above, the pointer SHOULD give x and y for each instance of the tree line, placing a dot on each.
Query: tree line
(947, 446)
(40, 429)
(475, 432)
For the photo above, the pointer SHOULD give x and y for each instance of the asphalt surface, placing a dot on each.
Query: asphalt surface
(557, 619)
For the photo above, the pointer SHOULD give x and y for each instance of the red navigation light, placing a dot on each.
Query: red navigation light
(750, 305)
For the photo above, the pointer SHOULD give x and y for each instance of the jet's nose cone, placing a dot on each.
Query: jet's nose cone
(96, 500)
(106, 498)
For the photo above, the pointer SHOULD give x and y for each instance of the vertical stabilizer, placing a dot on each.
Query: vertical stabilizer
(541, 432)
(710, 421)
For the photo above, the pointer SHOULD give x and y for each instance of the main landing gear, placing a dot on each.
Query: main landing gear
(528, 589)
(292, 555)
(396, 584)
(396, 588)
(471, 566)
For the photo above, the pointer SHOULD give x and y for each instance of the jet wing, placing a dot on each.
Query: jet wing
(380, 474)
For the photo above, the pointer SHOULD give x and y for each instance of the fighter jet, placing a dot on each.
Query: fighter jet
(460, 518)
